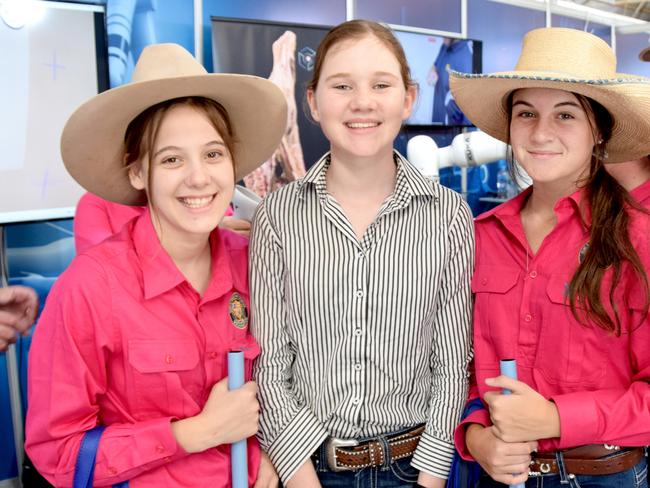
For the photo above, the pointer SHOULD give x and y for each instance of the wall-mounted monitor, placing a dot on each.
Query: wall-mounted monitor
(245, 46)
(54, 57)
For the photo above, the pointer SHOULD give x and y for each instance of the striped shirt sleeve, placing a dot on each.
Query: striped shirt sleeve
(289, 432)
(452, 350)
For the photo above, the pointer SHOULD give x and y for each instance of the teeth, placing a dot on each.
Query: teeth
(196, 202)
(362, 125)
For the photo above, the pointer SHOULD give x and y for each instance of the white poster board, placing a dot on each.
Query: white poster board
(48, 67)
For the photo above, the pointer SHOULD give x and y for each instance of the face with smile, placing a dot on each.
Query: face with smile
(551, 135)
(192, 176)
(360, 100)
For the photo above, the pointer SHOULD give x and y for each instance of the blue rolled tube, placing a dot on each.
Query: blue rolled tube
(509, 368)
(238, 452)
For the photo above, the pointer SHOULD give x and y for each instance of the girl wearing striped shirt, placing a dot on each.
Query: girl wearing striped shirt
(360, 289)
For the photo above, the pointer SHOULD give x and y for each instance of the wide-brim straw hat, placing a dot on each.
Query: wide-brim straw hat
(570, 60)
(92, 143)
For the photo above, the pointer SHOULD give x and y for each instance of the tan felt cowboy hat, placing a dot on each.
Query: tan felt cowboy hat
(92, 143)
(565, 59)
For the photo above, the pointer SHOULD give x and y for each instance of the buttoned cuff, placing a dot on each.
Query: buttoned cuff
(579, 422)
(296, 443)
(481, 417)
(433, 456)
(153, 440)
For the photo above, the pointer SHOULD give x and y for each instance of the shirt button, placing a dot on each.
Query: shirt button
(533, 274)
(355, 401)
(357, 366)
(484, 281)
(167, 459)
(358, 331)
(112, 470)
(528, 317)
(213, 355)
(359, 293)
(169, 359)
(160, 449)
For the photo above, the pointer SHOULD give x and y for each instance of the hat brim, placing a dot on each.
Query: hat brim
(483, 98)
(92, 142)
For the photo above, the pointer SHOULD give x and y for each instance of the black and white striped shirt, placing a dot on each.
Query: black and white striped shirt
(361, 338)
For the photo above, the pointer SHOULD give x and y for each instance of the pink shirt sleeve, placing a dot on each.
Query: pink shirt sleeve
(67, 376)
(479, 416)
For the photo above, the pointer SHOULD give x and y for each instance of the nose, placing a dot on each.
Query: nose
(543, 130)
(197, 175)
(363, 99)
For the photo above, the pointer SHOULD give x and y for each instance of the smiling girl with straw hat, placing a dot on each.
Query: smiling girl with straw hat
(135, 333)
(560, 282)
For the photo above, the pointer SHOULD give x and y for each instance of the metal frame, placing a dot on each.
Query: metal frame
(13, 376)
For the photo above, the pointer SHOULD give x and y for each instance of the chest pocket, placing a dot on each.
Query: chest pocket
(568, 350)
(161, 370)
(496, 306)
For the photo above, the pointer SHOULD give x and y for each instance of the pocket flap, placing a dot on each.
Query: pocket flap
(557, 289)
(161, 355)
(494, 279)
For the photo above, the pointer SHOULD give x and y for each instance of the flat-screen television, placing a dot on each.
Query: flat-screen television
(54, 57)
(245, 46)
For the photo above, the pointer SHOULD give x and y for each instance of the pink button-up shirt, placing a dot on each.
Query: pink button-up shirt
(598, 381)
(125, 341)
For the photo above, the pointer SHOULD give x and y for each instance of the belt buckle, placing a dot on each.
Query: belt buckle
(330, 451)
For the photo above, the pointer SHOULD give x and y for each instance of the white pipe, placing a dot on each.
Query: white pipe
(198, 30)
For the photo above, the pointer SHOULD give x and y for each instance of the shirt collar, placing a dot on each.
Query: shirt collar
(642, 192)
(409, 181)
(159, 272)
(513, 207)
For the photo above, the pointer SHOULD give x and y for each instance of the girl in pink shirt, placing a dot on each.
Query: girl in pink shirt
(560, 281)
(135, 333)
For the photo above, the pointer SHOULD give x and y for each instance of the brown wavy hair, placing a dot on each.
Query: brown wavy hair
(610, 246)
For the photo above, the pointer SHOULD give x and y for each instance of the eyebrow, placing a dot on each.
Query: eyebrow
(176, 148)
(557, 105)
(348, 75)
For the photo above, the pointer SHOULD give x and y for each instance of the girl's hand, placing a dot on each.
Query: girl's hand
(227, 417)
(430, 481)
(523, 415)
(267, 477)
(506, 462)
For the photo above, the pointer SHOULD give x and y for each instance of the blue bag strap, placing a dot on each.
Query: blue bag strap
(85, 467)
(471, 407)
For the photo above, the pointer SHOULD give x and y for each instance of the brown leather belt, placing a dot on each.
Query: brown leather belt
(593, 459)
(350, 455)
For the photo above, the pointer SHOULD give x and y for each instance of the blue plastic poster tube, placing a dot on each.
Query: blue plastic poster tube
(509, 369)
(238, 451)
